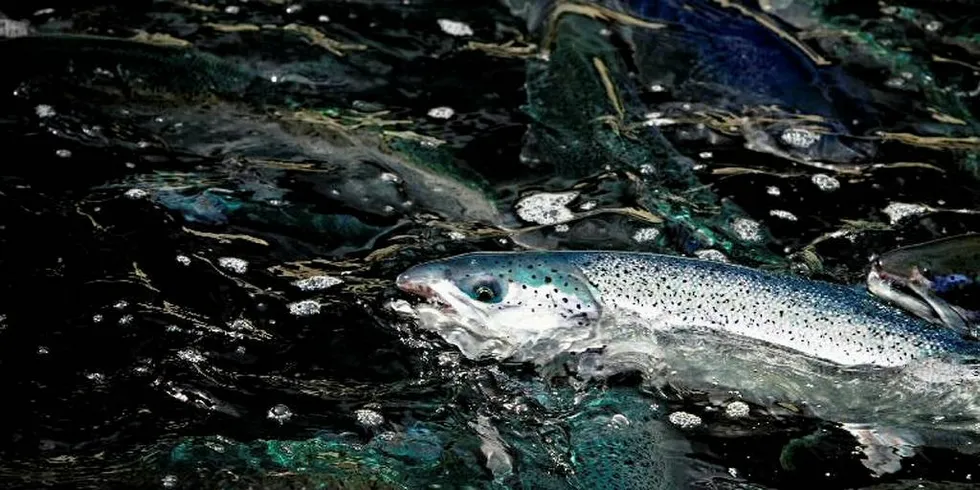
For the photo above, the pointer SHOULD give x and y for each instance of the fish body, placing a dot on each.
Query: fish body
(525, 297)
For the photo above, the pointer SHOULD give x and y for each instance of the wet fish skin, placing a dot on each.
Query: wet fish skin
(527, 296)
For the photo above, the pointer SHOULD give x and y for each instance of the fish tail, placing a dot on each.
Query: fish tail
(884, 447)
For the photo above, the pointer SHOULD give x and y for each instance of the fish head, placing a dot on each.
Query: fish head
(933, 264)
(517, 300)
(937, 281)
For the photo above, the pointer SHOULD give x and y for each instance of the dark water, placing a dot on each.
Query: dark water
(147, 143)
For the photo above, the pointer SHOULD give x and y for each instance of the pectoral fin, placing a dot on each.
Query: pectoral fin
(946, 313)
(885, 290)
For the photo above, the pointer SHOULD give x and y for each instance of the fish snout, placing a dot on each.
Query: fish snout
(418, 280)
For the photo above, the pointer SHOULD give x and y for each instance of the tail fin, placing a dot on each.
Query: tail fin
(884, 447)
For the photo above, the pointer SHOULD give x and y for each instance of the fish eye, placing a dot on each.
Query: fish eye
(484, 290)
(484, 293)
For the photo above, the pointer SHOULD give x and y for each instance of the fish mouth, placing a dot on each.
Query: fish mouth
(409, 284)
(414, 287)
(879, 274)
(888, 286)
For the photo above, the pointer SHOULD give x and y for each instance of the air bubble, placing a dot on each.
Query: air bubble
(455, 27)
(799, 137)
(315, 283)
(233, 264)
(190, 355)
(737, 410)
(825, 182)
(369, 419)
(684, 420)
(786, 215)
(441, 112)
(546, 208)
(136, 193)
(280, 413)
(646, 234)
(44, 110)
(619, 421)
(307, 307)
(897, 211)
(747, 229)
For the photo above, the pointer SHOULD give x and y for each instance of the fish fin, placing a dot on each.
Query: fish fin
(948, 315)
(884, 289)
(883, 447)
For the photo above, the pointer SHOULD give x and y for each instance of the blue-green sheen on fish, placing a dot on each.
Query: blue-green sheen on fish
(523, 297)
